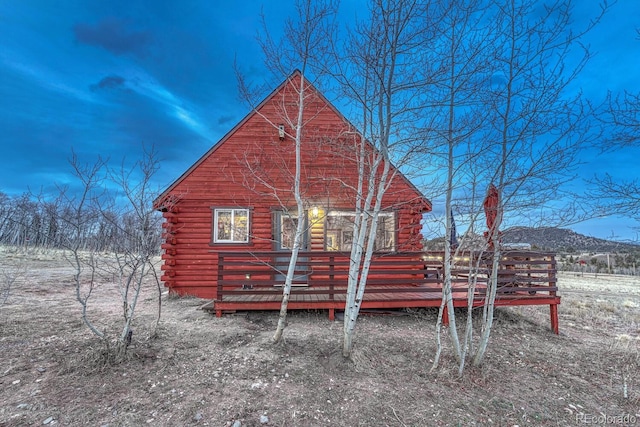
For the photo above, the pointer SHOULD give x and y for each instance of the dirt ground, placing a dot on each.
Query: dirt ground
(206, 371)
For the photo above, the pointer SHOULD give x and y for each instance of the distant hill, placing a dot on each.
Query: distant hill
(548, 239)
(563, 240)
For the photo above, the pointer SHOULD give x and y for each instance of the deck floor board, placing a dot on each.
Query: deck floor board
(426, 299)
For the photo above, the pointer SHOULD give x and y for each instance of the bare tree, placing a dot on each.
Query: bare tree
(82, 212)
(609, 194)
(502, 74)
(539, 121)
(381, 78)
(304, 43)
(9, 274)
(140, 228)
(458, 74)
(620, 116)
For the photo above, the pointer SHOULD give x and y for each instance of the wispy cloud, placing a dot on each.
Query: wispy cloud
(115, 35)
(109, 82)
(176, 107)
(44, 77)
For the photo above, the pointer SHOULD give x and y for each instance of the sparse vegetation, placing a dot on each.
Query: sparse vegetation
(215, 371)
(9, 274)
(99, 235)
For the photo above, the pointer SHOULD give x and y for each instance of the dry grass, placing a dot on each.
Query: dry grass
(201, 370)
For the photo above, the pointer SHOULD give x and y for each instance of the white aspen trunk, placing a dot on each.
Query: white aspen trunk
(286, 291)
(357, 293)
(492, 285)
(300, 229)
(436, 357)
(356, 254)
(490, 299)
(447, 295)
(468, 338)
(350, 321)
(352, 304)
(381, 41)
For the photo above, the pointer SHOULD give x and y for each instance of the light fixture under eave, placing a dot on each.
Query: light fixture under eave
(281, 132)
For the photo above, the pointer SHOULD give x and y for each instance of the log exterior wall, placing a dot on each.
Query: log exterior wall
(252, 168)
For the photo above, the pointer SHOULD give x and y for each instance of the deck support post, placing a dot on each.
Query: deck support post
(555, 324)
(220, 263)
(332, 314)
(218, 313)
(445, 316)
(332, 260)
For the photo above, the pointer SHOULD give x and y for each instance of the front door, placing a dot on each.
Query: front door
(285, 225)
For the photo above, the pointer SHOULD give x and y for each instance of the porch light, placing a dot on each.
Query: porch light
(314, 212)
(281, 132)
(247, 276)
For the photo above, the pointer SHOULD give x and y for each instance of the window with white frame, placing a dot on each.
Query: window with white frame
(230, 225)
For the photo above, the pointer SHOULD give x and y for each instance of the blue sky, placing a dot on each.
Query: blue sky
(102, 77)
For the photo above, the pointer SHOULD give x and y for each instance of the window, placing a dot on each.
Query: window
(288, 227)
(230, 225)
(339, 235)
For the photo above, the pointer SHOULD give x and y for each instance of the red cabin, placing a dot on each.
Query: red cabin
(230, 220)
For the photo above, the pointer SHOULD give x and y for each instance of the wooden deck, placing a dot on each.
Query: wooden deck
(253, 281)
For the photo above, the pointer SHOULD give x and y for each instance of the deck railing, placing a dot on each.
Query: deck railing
(263, 273)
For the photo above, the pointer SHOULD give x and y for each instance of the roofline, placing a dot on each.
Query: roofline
(157, 203)
(158, 200)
